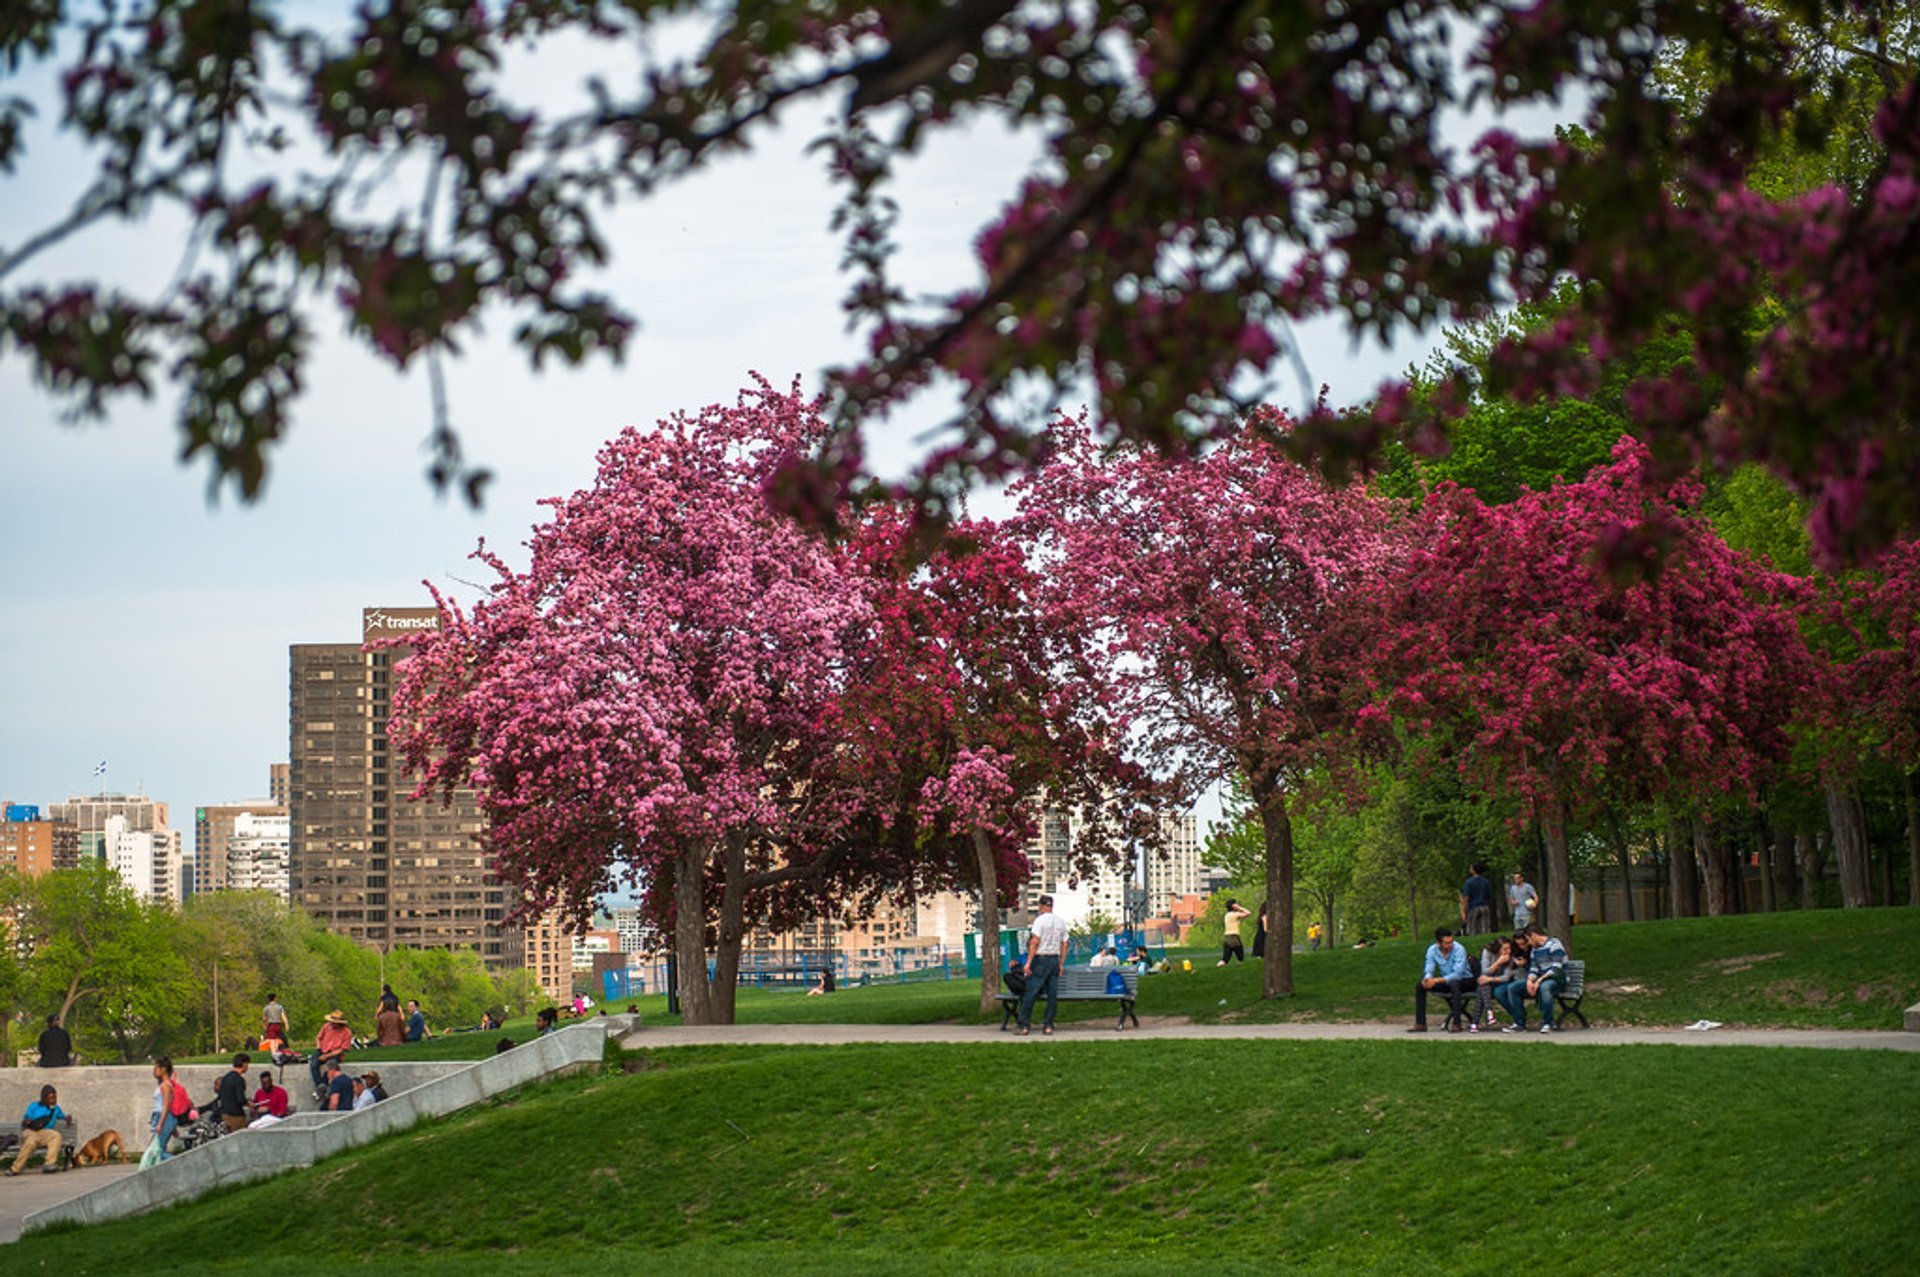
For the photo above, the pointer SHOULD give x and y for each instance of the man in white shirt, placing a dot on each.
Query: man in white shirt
(1046, 951)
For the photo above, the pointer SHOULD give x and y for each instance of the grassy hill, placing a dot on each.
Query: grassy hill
(1117, 1156)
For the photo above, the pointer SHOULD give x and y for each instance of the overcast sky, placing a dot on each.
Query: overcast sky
(147, 627)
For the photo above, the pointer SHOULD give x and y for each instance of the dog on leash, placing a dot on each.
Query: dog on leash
(100, 1150)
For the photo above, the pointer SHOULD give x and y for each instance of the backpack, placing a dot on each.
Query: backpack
(182, 1103)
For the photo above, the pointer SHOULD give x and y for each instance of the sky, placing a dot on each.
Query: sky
(146, 625)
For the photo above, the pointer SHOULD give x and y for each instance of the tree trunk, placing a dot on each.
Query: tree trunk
(1683, 881)
(1763, 847)
(1786, 866)
(1556, 900)
(1849, 846)
(690, 935)
(1713, 866)
(1625, 858)
(732, 930)
(1276, 971)
(989, 921)
(1913, 839)
(1812, 849)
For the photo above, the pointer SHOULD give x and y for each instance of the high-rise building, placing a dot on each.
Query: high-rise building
(147, 860)
(549, 955)
(212, 828)
(31, 846)
(278, 782)
(1176, 872)
(255, 856)
(364, 859)
(139, 815)
(637, 935)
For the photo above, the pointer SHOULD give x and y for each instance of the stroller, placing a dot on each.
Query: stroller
(203, 1128)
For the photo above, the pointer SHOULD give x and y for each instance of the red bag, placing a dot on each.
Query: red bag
(181, 1104)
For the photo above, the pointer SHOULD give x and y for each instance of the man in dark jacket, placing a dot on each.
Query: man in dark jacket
(56, 1048)
(230, 1094)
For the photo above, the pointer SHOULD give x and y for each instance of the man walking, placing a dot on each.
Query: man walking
(56, 1048)
(1446, 971)
(1046, 951)
(1524, 900)
(1476, 902)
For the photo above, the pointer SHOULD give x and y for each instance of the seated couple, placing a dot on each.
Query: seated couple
(1513, 971)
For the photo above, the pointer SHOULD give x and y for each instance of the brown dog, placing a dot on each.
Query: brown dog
(99, 1150)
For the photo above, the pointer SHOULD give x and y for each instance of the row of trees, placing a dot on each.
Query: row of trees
(133, 980)
(747, 722)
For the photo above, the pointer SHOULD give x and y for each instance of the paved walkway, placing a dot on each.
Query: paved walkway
(1169, 1029)
(31, 1191)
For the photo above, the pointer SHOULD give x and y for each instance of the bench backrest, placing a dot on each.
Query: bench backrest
(1092, 981)
(1576, 974)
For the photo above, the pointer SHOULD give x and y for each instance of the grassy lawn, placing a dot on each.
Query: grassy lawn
(1135, 1157)
(1829, 968)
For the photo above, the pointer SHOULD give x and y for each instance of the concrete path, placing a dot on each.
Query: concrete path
(1168, 1029)
(30, 1191)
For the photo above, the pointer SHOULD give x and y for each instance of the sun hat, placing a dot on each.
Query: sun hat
(336, 1017)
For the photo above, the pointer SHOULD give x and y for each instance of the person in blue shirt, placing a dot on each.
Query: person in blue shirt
(37, 1131)
(416, 1021)
(1446, 971)
(1546, 976)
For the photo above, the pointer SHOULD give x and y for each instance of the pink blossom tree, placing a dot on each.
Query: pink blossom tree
(1551, 678)
(972, 712)
(1224, 593)
(652, 689)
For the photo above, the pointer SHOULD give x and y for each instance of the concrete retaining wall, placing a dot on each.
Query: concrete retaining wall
(120, 1096)
(309, 1137)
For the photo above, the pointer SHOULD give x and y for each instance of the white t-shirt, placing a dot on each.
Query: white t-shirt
(1051, 931)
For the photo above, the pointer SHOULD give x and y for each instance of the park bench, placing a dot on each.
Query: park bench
(1572, 993)
(69, 1142)
(1084, 984)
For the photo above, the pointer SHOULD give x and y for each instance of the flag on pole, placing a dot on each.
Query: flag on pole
(100, 768)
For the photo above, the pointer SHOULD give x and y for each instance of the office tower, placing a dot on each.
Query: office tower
(147, 860)
(366, 860)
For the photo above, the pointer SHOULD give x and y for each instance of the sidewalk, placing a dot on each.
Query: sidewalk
(31, 1191)
(1169, 1030)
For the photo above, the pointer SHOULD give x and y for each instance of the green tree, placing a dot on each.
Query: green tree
(106, 963)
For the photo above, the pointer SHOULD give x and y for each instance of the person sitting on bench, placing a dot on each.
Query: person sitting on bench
(37, 1132)
(1448, 972)
(1546, 976)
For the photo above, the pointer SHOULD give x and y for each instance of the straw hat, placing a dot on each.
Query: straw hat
(336, 1017)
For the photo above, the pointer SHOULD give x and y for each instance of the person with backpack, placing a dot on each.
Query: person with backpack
(175, 1106)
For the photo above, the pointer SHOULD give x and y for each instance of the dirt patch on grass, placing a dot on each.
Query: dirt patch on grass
(1727, 966)
(1626, 987)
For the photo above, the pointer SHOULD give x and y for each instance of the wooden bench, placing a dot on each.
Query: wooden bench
(1084, 984)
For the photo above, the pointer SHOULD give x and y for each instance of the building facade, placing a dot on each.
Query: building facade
(31, 845)
(89, 815)
(147, 860)
(255, 855)
(549, 955)
(213, 829)
(363, 858)
(1176, 872)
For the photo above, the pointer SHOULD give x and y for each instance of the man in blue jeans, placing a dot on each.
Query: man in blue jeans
(1546, 976)
(1046, 951)
(1447, 973)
